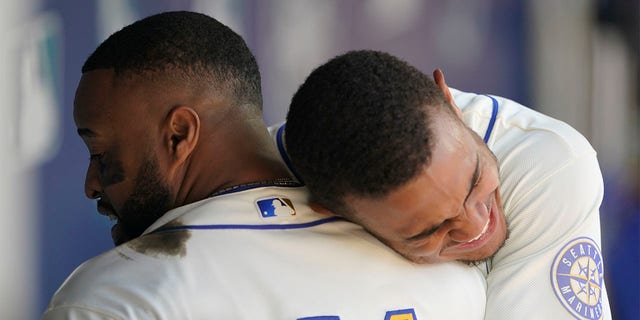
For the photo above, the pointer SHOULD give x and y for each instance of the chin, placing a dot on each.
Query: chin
(492, 250)
(479, 260)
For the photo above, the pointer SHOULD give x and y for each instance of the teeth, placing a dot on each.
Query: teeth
(486, 226)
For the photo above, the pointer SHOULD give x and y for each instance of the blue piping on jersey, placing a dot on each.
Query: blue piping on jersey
(494, 115)
(283, 152)
(249, 226)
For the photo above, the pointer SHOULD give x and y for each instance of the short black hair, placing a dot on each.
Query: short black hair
(359, 126)
(188, 45)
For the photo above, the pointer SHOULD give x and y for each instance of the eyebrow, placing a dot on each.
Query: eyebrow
(474, 179)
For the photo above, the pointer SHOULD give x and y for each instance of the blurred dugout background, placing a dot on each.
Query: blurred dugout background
(576, 60)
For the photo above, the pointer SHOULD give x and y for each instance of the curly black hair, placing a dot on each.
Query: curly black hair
(359, 126)
(189, 46)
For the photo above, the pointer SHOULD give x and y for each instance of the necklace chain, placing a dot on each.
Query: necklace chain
(281, 182)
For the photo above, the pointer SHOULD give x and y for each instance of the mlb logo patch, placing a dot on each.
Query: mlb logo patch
(405, 314)
(275, 206)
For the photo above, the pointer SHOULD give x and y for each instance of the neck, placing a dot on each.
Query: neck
(282, 182)
(238, 156)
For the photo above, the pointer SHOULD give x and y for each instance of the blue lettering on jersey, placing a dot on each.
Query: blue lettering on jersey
(320, 318)
(404, 314)
(576, 276)
(275, 206)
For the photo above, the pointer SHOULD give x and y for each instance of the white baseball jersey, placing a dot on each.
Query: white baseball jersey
(551, 186)
(262, 253)
(550, 267)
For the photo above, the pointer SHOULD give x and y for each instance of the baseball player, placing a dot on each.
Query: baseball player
(208, 223)
(225, 258)
(440, 175)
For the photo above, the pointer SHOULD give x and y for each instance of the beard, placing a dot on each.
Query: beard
(148, 202)
(478, 262)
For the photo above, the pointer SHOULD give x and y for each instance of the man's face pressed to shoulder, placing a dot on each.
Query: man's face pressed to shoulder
(123, 173)
(450, 211)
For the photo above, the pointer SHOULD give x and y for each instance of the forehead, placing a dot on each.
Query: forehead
(444, 182)
(95, 94)
(437, 191)
(103, 97)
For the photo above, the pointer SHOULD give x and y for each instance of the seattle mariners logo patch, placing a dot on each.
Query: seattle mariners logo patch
(275, 206)
(577, 278)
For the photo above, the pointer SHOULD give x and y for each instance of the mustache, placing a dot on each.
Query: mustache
(105, 208)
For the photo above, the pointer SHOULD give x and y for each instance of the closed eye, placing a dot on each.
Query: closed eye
(425, 234)
(475, 178)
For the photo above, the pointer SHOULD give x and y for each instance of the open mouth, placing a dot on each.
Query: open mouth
(484, 236)
(484, 230)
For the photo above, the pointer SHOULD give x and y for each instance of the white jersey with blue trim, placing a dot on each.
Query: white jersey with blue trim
(262, 253)
(550, 266)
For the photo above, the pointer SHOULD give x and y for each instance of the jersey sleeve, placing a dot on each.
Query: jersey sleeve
(550, 266)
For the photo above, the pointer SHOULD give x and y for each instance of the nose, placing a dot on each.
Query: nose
(92, 186)
(470, 224)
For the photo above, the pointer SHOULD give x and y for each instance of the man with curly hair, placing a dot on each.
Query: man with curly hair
(442, 175)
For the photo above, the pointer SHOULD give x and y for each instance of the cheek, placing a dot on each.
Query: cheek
(486, 191)
(492, 179)
(424, 256)
(117, 194)
(116, 187)
(423, 251)
(387, 234)
(378, 225)
(110, 170)
(110, 174)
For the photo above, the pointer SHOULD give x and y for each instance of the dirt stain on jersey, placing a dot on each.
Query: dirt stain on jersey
(163, 243)
(124, 256)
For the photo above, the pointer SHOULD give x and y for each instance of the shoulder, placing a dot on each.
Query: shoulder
(246, 260)
(92, 276)
(534, 149)
(524, 140)
(114, 285)
(515, 123)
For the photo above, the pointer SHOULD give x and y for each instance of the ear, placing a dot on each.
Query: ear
(321, 209)
(182, 133)
(438, 77)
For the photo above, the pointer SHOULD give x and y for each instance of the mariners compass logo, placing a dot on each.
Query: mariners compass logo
(576, 276)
